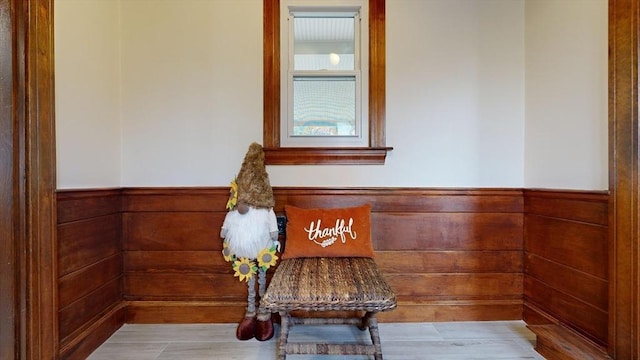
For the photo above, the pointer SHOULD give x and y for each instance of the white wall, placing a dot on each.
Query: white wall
(87, 71)
(566, 94)
(192, 90)
(191, 103)
(455, 90)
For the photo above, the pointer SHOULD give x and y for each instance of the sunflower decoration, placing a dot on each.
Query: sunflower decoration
(233, 195)
(244, 268)
(267, 258)
(226, 252)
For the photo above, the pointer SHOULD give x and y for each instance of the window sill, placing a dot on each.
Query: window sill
(326, 156)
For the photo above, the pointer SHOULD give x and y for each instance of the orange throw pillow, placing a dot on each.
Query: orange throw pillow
(337, 232)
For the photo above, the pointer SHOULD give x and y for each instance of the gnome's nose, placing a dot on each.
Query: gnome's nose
(242, 208)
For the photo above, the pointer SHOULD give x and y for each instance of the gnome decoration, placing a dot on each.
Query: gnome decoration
(250, 233)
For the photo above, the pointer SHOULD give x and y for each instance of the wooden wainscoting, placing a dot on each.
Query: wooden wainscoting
(152, 255)
(566, 269)
(449, 254)
(90, 306)
(174, 269)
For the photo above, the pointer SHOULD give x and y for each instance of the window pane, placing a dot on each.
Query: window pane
(324, 106)
(324, 43)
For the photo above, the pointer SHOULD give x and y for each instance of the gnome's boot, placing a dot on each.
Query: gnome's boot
(264, 325)
(247, 328)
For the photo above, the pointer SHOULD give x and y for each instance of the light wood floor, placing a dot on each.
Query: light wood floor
(446, 340)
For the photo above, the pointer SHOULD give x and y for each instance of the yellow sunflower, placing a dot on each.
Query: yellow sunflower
(245, 269)
(226, 252)
(233, 195)
(267, 258)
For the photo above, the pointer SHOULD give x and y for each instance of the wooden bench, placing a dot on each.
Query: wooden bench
(328, 285)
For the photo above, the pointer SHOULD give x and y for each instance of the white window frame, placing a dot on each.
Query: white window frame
(361, 71)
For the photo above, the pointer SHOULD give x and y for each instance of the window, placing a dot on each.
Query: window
(330, 89)
(324, 76)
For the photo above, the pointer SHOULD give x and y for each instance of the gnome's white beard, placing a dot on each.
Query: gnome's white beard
(247, 234)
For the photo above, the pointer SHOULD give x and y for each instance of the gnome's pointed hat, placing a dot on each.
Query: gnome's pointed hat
(253, 181)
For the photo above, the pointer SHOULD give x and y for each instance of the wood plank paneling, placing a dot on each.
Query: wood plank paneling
(589, 207)
(155, 312)
(85, 310)
(456, 286)
(174, 270)
(85, 242)
(450, 261)
(167, 261)
(447, 231)
(577, 245)
(405, 200)
(437, 244)
(450, 254)
(90, 268)
(172, 231)
(453, 310)
(78, 284)
(183, 286)
(174, 199)
(150, 311)
(568, 280)
(77, 205)
(575, 314)
(566, 268)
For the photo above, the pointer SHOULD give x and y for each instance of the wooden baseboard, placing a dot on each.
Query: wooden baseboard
(154, 312)
(557, 342)
(84, 341)
(176, 312)
(453, 310)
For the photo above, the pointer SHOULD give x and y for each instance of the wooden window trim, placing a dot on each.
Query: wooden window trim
(377, 150)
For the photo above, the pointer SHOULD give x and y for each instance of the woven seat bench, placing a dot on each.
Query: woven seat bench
(328, 284)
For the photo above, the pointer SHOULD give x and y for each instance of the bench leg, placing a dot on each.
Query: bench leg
(284, 335)
(364, 321)
(369, 319)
